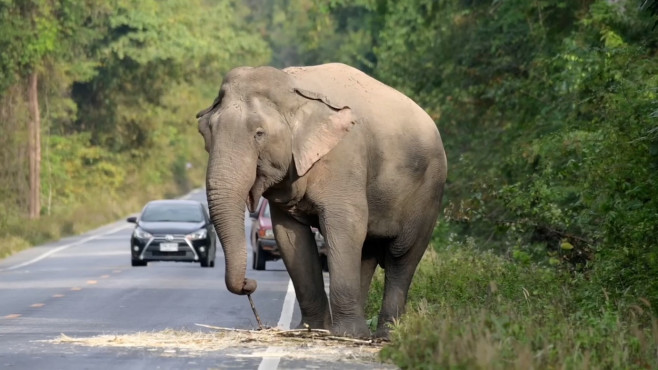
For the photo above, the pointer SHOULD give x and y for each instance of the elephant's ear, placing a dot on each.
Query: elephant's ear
(319, 126)
(215, 103)
(204, 130)
(317, 96)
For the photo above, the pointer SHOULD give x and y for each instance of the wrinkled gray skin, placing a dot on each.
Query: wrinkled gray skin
(333, 148)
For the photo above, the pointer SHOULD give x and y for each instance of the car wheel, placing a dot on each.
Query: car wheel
(213, 255)
(207, 262)
(259, 258)
(137, 263)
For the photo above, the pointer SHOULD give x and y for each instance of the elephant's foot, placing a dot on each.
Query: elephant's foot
(315, 324)
(382, 332)
(311, 325)
(355, 329)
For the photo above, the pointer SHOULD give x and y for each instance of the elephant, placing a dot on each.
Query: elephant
(333, 148)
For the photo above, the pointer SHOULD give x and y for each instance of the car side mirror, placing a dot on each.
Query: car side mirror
(132, 219)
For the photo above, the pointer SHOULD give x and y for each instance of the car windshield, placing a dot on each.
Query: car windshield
(266, 212)
(168, 212)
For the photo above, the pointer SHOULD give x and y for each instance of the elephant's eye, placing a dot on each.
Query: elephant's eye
(260, 133)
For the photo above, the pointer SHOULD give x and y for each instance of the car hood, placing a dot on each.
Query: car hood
(171, 227)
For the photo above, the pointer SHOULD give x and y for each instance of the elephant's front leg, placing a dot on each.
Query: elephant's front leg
(300, 255)
(345, 230)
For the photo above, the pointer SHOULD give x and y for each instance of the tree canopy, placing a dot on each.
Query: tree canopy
(120, 81)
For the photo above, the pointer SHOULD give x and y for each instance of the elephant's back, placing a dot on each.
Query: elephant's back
(399, 131)
(374, 103)
(349, 87)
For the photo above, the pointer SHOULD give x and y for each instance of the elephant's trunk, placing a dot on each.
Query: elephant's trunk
(227, 192)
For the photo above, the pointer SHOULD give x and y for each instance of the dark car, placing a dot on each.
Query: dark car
(173, 230)
(263, 242)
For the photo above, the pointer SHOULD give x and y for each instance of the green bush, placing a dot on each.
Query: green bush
(118, 87)
(11, 244)
(549, 114)
(474, 309)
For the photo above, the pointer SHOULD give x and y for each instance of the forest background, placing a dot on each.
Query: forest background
(546, 254)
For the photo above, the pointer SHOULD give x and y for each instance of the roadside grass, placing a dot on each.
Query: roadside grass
(18, 233)
(473, 309)
(11, 244)
(22, 234)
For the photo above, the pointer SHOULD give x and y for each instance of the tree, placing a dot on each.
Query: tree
(106, 73)
(34, 152)
(40, 38)
(37, 32)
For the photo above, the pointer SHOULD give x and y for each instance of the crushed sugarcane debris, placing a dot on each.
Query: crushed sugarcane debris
(308, 333)
(302, 343)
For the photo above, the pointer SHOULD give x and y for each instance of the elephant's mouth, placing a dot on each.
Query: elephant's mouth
(250, 203)
(254, 195)
(252, 200)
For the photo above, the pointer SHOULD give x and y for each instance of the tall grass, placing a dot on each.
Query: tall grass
(470, 309)
(18, 233)
(21, 233)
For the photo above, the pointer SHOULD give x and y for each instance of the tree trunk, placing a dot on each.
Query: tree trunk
(34, 147)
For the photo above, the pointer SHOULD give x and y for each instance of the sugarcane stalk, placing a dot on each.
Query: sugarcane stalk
(253, 308)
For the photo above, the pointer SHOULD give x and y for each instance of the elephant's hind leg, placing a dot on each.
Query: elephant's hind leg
(373, 254)
(399, 272)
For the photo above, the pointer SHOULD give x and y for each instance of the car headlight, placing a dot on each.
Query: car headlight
(266, 233)
(197, 235)
(140, 233)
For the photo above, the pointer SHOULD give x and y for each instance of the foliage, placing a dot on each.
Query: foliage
(503, 315)
(308, 32)
(150, 48)
(120, 83)
(36, 33)
(548, 114)
(12, 244)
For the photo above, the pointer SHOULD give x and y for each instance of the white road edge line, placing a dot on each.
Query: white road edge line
(272, 362)
(288, 308)
(63, 247)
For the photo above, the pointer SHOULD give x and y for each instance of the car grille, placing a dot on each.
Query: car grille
(184, 252)
(168, 254)
(162, 237)
(152, 250)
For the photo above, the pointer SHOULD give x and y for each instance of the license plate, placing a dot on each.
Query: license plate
(168, 247)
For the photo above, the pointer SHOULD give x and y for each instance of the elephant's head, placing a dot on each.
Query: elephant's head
(263, 128)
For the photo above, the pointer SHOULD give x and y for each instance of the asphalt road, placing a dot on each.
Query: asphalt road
(84, 287)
